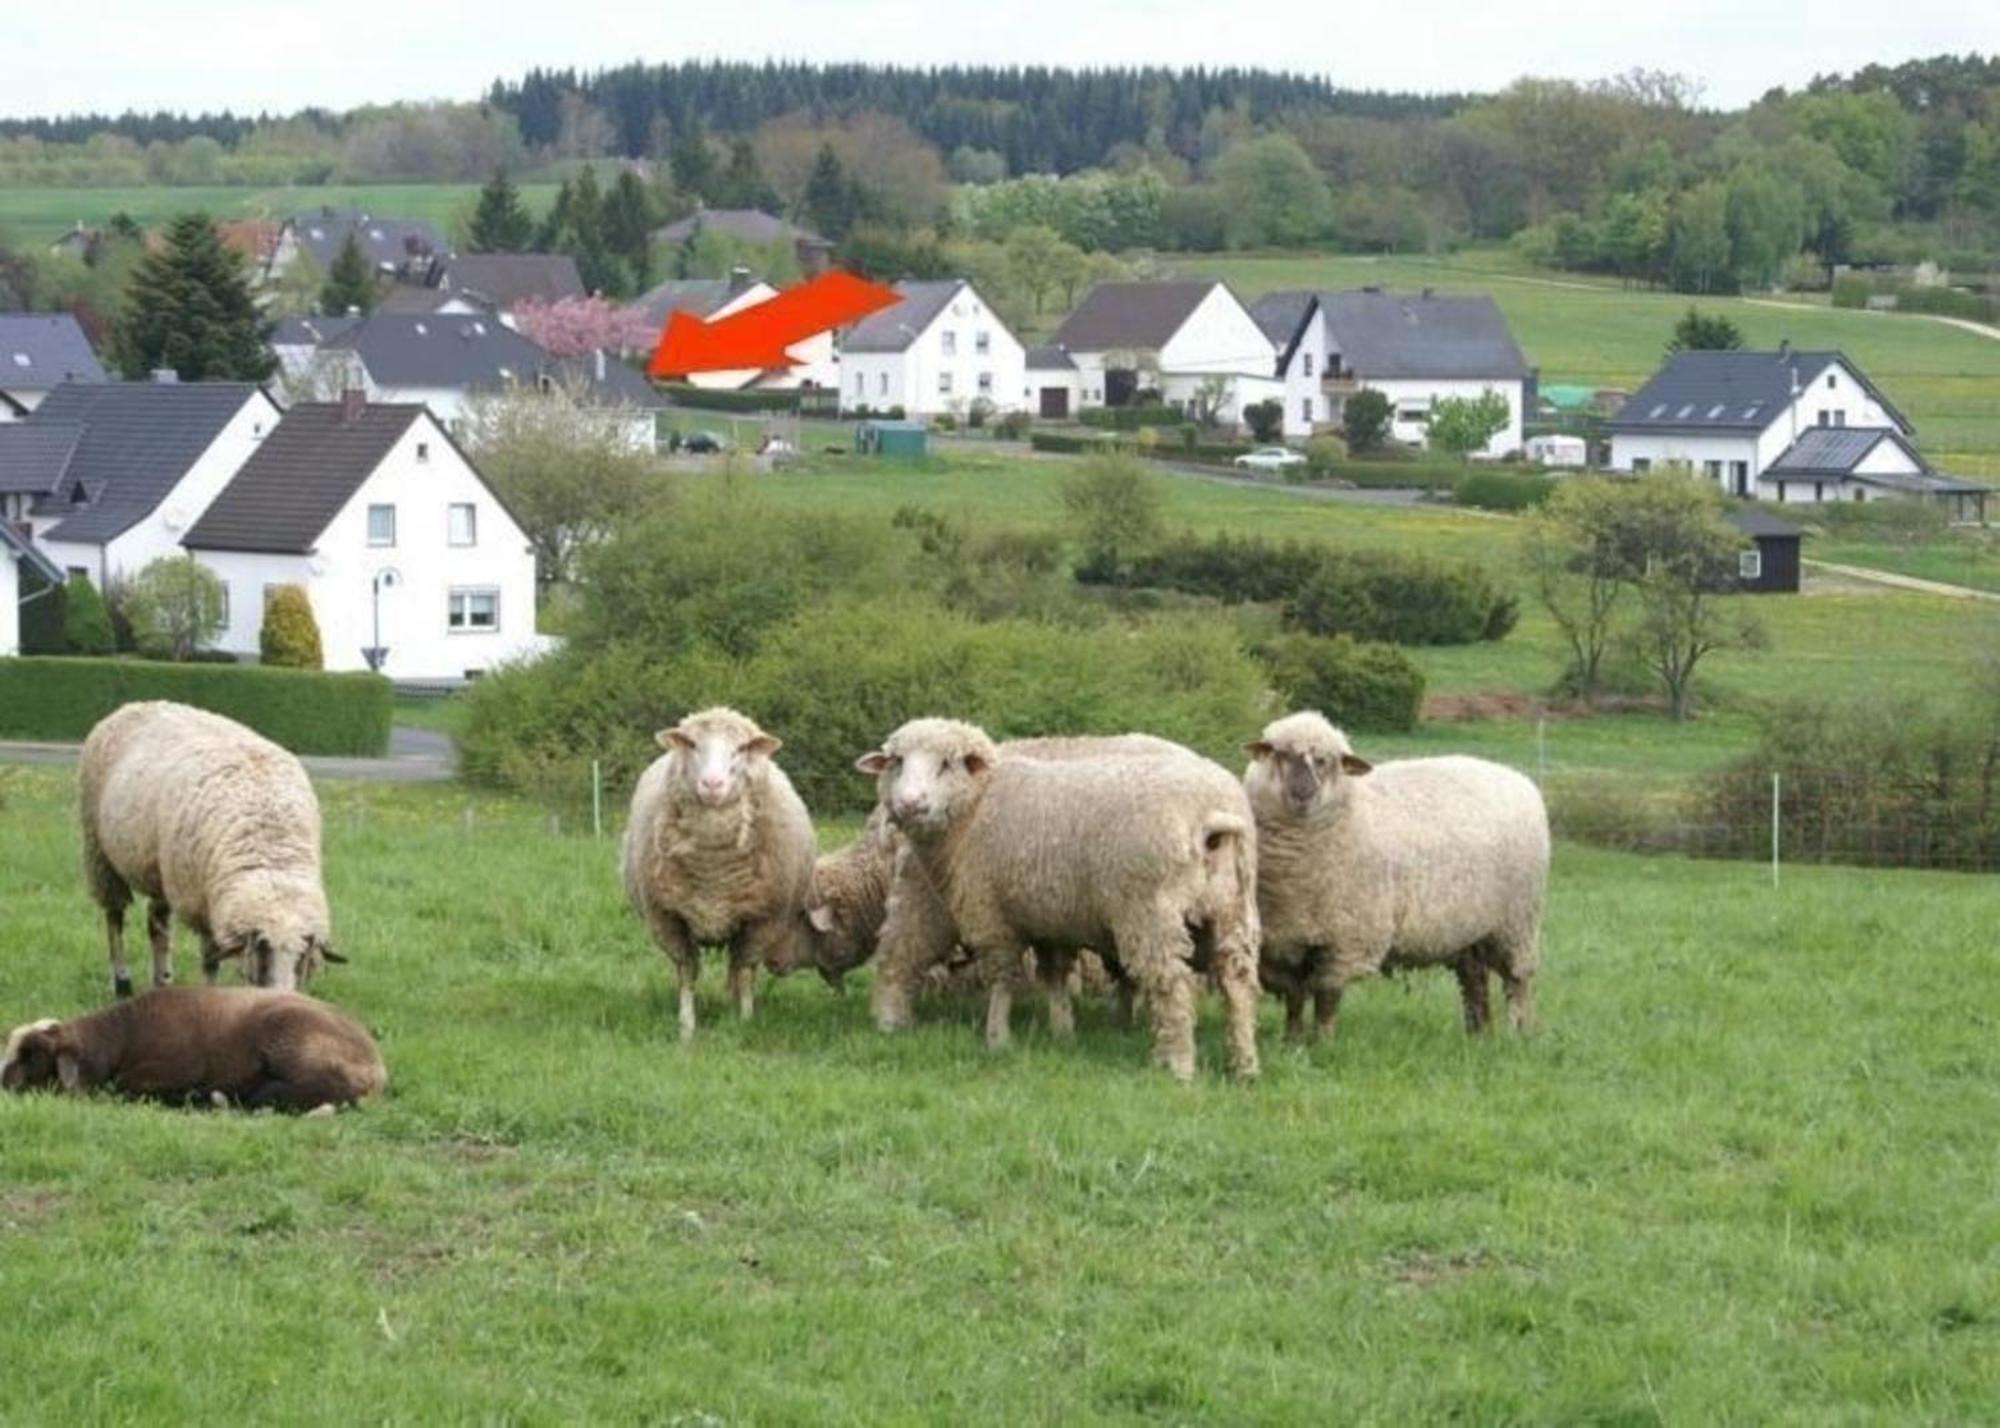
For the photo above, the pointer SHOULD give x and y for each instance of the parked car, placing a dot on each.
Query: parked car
(704, 443)
(1269, 458)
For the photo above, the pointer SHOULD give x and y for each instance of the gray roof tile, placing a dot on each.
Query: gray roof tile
(300, 476)
(38, 350)
(35, 454)
(1139, 315)
(746, 225)
(385, 242)
(1385, 335)
(472, 353)
(1730, 391)
(500, 280)
(1835, 450)
(894, 328)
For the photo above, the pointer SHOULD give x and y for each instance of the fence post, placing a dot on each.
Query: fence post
(1774, 828)
(596, 799)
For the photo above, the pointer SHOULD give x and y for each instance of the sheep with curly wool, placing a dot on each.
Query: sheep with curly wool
(214, 824)
(1373, 868)
(1154, 858)
(718, 851)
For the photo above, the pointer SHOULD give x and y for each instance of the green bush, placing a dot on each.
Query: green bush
(86, 621)
(1069, 443)
(1266, 420)
(1411, 600)
(1356, 684)
(1131, 418)
(44, 614)
(725, 399)
(1229, 568)
(1502, 490)
(1011, 426)
(1851, 290)
(304, 710)
(289, 638)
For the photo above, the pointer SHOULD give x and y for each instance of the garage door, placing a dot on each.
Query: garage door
(1055, 402)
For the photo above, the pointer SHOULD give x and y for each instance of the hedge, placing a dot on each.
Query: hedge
(1357, 684)
(306, 711)
(1131, 418)
(725, 399)
(1502, 490)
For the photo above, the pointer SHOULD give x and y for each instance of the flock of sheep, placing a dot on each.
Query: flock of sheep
(1013, 863)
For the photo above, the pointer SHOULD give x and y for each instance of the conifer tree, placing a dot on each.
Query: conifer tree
(188, 309)
(350, 287)
(500, 223)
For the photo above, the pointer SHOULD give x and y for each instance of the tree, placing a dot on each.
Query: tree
(1272, 196)
(1206, 401)
(1701, 332)
(1579, 572)
(579, 219)
(1034, 256)
(742, 184)
(289, 638)
(176, 606)
(1463, 425)
(1266, 420)
(630, 216)
(500, 222)
(1699, 257)
(1115, 508)
(578, 327)
(350, 287)
(1364, 421)
(829, 198)
(86, 621)
(692, 164)
(189, 309)
(565, 468)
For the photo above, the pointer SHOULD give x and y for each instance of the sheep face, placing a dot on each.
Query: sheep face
(929, 773)
(826, 938)
(717, 752)
(284, 947)
(37, 1056)
(1305, 761)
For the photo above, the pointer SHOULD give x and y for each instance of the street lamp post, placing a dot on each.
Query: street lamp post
(385, 579)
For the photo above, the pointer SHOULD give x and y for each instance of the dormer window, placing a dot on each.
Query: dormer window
(21, 359)
(1830, 381)
(423, 451)
(78, 496)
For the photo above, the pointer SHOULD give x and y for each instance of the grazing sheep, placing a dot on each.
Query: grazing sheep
(1416, 863)
(248, 1046)
(718, 851)
(1155, 857)
(212, 823)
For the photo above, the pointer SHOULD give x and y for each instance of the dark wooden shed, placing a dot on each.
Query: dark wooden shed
(1772, 567)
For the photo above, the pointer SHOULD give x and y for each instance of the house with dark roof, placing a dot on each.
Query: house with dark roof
(411, 561)
(491, 284)
(123, 469)
(38, 352)
(941, 349)
(394, 247)
(447, 361)
(756, 228)
(26, 573)
(1416, 349)
(1179, 339)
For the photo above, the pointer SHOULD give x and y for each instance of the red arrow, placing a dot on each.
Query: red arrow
(758, 335)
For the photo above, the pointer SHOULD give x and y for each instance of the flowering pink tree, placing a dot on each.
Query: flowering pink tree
(579, 326)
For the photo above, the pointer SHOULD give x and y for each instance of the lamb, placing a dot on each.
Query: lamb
(718, 851)
(212, 823)
(1155, 857)
(252, 1047)
(1415, 863)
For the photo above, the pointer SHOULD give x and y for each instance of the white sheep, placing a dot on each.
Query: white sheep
(1153, 857)
(1414, 863)
(718, 851)
(211, 823)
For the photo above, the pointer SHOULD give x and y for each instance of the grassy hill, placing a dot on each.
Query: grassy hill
(1946, 379)
(1743, 1173)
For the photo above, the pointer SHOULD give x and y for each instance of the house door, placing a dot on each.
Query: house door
(1739, 477)
(1055, 402)
(1119, 385)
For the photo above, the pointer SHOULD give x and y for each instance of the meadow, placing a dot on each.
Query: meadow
(1742, 1173)
(1944, 378)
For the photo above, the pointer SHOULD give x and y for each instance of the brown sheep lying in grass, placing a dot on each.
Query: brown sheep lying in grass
(246, 1046)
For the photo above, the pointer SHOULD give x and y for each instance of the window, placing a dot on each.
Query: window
(982, 343)
(1750, 565)
(944, 384)
(423, 451)
(381, 525)
(461, 524)
(1416, 416)
(1819, 490)
(881, 384)
(1830, 382)
(1309, 364)
(1714, 470)
(473, 611)
(1823, 419)
(1840, 418)
(1306, 410)
(223, 586)
(986, 382)
(948, 342)
(1739, 478)
(1859, 494)
(76, 572)
(860, 384)
(1641, 465)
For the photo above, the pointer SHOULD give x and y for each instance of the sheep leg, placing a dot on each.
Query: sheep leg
(1236, 971)
(1326, 1009)
(1001, 964)
(1157, 952)
(160, 932)
(743, 985)
(1295, 1011)
(916, 935)
(1473, 991)
(1058, 977)
(114, 932)
(685, 956)
(212, 958)
(1520, 989)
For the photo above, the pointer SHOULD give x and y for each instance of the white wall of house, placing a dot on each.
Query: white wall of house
(744, 376)
(1219, 336)
(1410, 396)
(10, 604)
(25, 398)
(1888, 458)
(1064, 379)
(159, 532)
(1245, 389)
(1307, 406)
(964, 353)
(416, 613)
(1716, 457)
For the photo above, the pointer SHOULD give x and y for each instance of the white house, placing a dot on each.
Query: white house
(1416, 350)
(19, 554)
(378, 514)
(812, 362)
(1800, 427)
(1176, 337)
(1054, 385)
(445, 361)
(39, 351)
(940, 349)
(141, 463)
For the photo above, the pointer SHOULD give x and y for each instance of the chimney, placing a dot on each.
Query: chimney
(739, 280)
(353, 400)
(165, 376)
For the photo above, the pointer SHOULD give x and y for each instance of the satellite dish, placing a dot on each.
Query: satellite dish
(388, 577)
(316, 567)
(174, 517)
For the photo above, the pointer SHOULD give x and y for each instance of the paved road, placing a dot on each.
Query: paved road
(1903, 582)
(415, 756)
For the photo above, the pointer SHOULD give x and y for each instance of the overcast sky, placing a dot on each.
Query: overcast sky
(275, 55)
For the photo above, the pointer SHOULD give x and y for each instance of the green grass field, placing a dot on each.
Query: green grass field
(44, 214)
(1945, 379)
(1743, 1173)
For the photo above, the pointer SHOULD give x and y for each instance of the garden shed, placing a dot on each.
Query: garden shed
(892, 438)
(1773, 567)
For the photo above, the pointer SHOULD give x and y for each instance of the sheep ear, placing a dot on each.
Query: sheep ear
(1258, 749)
(872, 763)
(975, 764)
(1349, 764)
(674, 738)
(764, 745)
(820, 916)
(328, 954)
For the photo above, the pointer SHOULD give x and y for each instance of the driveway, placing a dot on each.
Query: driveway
(415, 756)
(1903, 582)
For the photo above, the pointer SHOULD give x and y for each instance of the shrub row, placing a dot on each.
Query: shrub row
(1131, 418)
(306, 711)
(724, 399)
(1502, 490)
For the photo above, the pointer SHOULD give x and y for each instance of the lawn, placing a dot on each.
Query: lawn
(1945, 379)
(1963, 558)
(1744, 1173)
(44, 214)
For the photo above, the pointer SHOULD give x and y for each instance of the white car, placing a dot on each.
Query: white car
(1269, 458)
